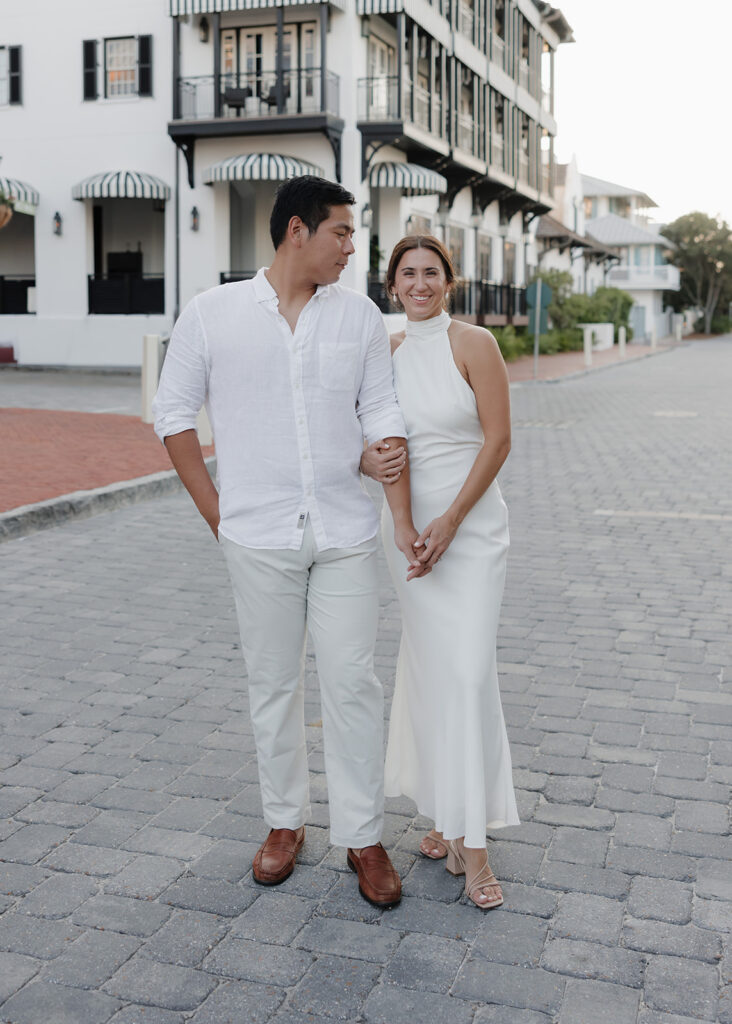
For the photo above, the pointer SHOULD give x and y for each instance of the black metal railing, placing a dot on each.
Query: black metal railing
(14, 293)
(376, 290)
(486, 298)
(229, 276)
(126, 293)
(470, 298)
(258, 94)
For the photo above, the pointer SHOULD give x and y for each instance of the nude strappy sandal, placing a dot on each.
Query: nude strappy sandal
(432, 838)
(456, 866)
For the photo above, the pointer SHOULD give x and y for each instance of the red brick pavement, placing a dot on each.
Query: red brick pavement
(47, 454)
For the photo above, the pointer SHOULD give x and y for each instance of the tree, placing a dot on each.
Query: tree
(703, 253)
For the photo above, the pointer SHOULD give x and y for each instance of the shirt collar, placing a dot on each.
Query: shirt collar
(264, 292)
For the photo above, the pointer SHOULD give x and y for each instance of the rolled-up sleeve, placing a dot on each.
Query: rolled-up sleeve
(183, 384)
(377, 407)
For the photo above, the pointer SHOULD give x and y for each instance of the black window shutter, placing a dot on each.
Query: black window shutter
(16, 92)
(90, 69)
(144, 65)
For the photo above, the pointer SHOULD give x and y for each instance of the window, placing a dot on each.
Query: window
(509, 262)
(127, 67)
(456, 248)
(484, 257)
(120, 67)
(418, 224)
(10, 91)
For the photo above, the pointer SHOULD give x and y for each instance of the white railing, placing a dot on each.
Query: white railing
(498, 51)
(421, 107)
(524, 74)
(523, 167)
(497, 151)
(650, 277)
(467, 20)
(466, 133)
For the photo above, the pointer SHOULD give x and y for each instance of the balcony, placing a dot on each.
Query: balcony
(378, 100)
(465, 134)
(14, 294)
(126, 293)
(497, 151)
(258, 94)
(498, 51)
(466, 20)
(648, 278)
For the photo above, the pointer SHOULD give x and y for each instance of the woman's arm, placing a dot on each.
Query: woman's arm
(480, 361)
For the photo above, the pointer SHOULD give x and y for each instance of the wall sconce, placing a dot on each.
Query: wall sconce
(367, 216)
(203, 29)
(194, 219)
(58, 223)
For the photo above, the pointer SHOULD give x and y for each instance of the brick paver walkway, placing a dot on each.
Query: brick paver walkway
(129, 783)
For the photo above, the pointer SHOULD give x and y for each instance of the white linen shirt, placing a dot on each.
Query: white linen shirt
(289, 411)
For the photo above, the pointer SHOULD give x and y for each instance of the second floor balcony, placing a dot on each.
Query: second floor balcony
(379, 100)
(260, 94)
(645, 278)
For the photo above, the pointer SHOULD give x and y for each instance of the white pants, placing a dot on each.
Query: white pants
(280, 595)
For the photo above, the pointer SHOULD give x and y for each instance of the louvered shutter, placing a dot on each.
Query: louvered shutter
(90, 69)
(144, 65)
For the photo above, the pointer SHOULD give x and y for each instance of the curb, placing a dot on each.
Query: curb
(26, 519)
(585, 371)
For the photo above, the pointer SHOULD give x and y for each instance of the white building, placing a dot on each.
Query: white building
(618, 217)
(148, 175)
(561, 236)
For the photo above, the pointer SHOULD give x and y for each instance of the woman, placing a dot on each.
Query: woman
(448, 748)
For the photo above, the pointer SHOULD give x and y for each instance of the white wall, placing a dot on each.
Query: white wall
(55, 140)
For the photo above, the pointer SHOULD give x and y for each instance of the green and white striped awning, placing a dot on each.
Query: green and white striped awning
(413, 179)
(25, 199)
(121, 185)
(259, 167)
(181, 7)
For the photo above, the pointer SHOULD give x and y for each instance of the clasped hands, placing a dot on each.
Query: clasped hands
(422, 551)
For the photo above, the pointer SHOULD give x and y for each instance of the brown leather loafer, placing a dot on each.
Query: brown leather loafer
(274, 861)
(378, 882)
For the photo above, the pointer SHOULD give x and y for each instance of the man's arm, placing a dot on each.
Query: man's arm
(187, 458)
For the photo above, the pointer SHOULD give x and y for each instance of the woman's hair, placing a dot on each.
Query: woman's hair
(418, 242)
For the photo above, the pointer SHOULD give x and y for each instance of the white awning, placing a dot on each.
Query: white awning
(259, 167)
(181, 7)
(415, 180)
(121, 185)
(25, 199)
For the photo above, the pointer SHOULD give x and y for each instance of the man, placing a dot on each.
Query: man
(295, 372)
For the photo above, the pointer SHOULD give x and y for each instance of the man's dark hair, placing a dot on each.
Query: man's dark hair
(309, 198)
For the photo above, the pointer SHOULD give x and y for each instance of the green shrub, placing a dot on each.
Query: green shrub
(511, 343)
(720, 324)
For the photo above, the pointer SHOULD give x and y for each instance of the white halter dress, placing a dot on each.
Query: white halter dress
(448, 749)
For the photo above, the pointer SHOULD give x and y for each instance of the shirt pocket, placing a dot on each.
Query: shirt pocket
(338, 364)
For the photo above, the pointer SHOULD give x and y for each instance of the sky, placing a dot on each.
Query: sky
(643, 98)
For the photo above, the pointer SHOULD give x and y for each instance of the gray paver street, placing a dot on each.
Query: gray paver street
(129, 785)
